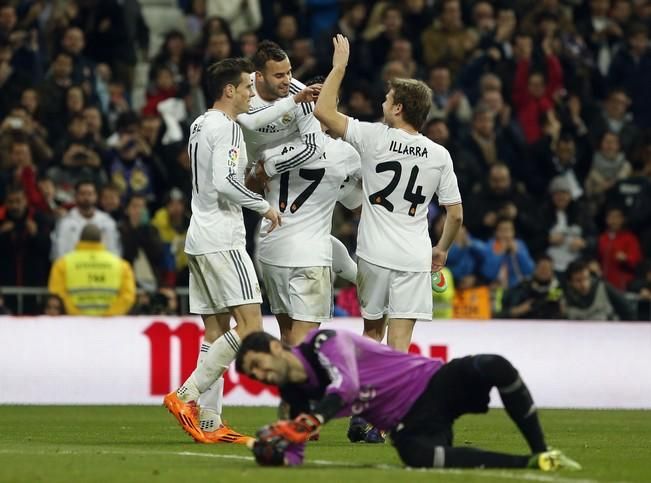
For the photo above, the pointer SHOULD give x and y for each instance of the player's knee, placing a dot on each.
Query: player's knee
(413, 456)
(495, 369)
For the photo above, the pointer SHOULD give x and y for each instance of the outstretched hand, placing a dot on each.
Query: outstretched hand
(341, 53)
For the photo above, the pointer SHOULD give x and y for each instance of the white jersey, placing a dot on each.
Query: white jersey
(271, 124)
(306, 197)
(401, 172)
(218, 158)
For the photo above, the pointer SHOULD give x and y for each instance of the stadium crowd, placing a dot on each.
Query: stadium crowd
(542, 104)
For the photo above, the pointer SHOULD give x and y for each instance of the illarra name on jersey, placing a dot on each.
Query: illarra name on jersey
(398, 147)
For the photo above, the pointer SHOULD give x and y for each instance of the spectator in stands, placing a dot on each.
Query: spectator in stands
(164, 301)
(73, 43)
(634, 195)
(533, 90)
(248, 44)
(505, 125)
(24, 244)
(589, 297)
(508, 261)
(500, 197)
(67, 231)
(448, 104)
(403, 51)
(467, 169)
(117, 104)
(239, 16)
(91, 280)
(447, 40)
(195, 17)
(567, 225)
(619, 250)
(351, 21)
(559, 153)
(609, 165)
(614, 117)
(110, 201)
(164, 88)
(359, 104)
(286, 30)
(392, 29)
(52, 92)
(53, 306)
(173, 55)
(20, 126)
(95, 126)
(304, 63)
(465, 259)
(80, 159)
(540, 297)
(484, 144)
(131, 166)
(141, 244)
(641, 285)
(12, 80)
(172, 221)
(631, 70)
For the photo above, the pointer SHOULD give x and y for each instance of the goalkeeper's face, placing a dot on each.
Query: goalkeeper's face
(269, 368)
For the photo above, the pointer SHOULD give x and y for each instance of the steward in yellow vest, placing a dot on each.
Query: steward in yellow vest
(91, 280)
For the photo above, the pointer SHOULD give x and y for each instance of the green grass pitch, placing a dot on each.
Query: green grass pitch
(144, 444)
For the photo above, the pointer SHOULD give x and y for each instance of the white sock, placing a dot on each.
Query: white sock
(215, 362)
(210, 402)
(342, 265)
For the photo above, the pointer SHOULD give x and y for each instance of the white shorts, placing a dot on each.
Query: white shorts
(221, 280)
(303, 293)
(399, 295)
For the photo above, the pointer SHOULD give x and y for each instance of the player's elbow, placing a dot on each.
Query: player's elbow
(455, 214)
(323, 113)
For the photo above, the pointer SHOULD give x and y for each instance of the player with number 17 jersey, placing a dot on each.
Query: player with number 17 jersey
(401, 173)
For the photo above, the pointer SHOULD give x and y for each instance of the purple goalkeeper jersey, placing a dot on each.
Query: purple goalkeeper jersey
(373, 380)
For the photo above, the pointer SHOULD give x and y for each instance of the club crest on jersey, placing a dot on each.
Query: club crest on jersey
(233, 156)
(287, 118)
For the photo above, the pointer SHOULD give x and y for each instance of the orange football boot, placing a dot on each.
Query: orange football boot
(224, 434)
(187, 414)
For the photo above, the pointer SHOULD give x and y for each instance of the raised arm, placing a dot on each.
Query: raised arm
(326, 105)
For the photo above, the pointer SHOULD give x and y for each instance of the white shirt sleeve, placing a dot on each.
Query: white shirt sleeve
(363, 135)
(259, 117)
(225, 159)
(350, 194)
(312, 146)
(448, 189)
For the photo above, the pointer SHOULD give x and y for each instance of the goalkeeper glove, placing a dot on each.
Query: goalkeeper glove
(269, 447)
(298, 430)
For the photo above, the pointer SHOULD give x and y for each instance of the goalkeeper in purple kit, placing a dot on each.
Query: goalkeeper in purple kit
(336, 373)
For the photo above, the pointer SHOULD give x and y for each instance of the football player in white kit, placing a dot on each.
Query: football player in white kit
(223, 282)
(296, 258)
(401, 171)
(296, 262)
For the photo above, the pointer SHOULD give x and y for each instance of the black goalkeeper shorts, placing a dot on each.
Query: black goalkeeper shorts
(455, 389)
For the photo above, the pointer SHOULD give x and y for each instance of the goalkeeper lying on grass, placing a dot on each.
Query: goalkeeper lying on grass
(337, 373)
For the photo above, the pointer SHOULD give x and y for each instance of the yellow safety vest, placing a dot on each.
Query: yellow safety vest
(93, 280)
